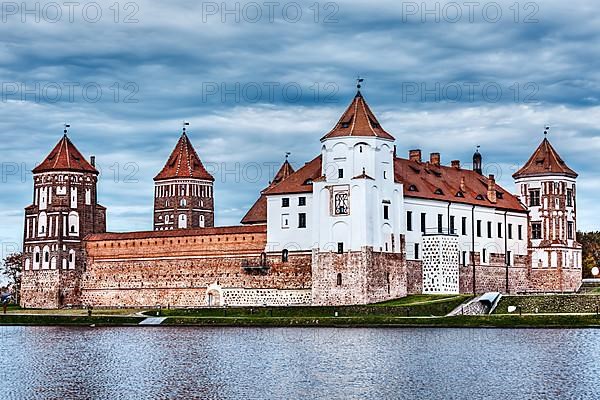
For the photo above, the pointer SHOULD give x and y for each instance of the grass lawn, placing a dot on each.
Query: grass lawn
(73, 312)
(422, 298)
(554, 303)
(418, 305)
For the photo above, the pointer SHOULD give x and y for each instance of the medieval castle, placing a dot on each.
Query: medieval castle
(355, 225)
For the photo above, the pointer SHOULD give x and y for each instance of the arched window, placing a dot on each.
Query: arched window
(201, 221)
(183, 203)
(46, 257)
(284, 255)
(37, 255)
(42, 223)
(73, 223)
(182, 224)
(339, 279)
(71, 259)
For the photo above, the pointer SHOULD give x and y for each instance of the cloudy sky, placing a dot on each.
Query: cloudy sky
(256, 80)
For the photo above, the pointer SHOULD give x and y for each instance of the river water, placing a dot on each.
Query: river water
(293, 363)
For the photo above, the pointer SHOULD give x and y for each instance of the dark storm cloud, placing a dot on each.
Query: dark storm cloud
(181, 62)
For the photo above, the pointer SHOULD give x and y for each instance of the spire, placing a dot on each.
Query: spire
(358, 120)
(545, 161)
(184, 162)
(65, 157)
(477, 161)
(285, 170)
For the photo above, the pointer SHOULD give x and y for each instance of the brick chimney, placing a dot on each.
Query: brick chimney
(491, 193)
(456, 164)
(463, 186)
(435, 159)
(414, 155)
(93, 161)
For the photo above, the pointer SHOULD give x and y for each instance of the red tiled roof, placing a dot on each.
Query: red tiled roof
(545, 161)
(184, 163)
(221, 230)
(300, 181)
(358, 120)
(257, 214)
(65, 157)
(421, 180)
(428, 181)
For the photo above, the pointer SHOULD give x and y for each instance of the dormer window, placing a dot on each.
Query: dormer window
(439, 191)
(308, 181)
(460, 194)
(412, 188)
(345, 124)
(479, 197)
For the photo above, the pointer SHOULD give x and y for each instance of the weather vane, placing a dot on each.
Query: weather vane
(547, 128)
(287, 154)
(478, 146)
(185, 123)
(359, 80)
(67, 126)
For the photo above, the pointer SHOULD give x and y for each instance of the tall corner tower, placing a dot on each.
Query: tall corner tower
(183, 191)
(63, 212)
(547, 186)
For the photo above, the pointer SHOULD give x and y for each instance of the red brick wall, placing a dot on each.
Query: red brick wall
(176, 270)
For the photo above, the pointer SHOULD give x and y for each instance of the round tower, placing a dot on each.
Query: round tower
(547, 186)
(183, 190)
(63, 212)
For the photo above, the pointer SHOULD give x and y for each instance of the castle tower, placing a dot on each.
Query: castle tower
(547, 186)
(358, 205)
(64, 211)
(183, 191)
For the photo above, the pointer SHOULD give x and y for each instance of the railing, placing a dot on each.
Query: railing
(440, 231)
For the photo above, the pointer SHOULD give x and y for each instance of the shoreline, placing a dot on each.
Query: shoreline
(525, 321)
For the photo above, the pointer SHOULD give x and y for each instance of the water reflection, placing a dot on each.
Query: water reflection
(287, 363)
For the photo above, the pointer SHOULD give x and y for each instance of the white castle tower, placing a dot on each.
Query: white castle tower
(547, 186)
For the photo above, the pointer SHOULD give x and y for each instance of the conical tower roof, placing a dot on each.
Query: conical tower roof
(545, 161)
(358, 120)
(184, 163)
(65, 157)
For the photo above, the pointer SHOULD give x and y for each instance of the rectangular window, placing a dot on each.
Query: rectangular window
(508, 258)
(484, 255)
(464, 226)
(569, 197)
(489, 229)
(423, 219)
(409, 221)
(478, 228)
(520, 232)
(451, 225)
(510, 233)
(340, 247)
(464, 258)
(500, 229)
(302, 220)
(416, 251)
(386, 211)
(536, 230)
(440, 222)
(570, 230)
(534, 197)
(285, 221)
(285, 202)
(302, 201)
(340, 173)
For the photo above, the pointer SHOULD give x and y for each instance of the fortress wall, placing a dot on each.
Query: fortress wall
(176, 269)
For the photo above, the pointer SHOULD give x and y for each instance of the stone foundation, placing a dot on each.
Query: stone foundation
(359, 277)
